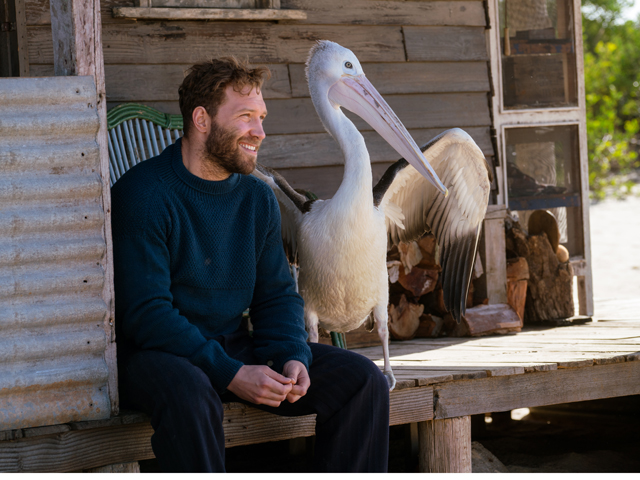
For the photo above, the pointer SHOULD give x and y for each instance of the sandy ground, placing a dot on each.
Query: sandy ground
(615, 254)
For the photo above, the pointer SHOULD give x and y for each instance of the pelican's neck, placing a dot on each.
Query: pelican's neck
(357, 182)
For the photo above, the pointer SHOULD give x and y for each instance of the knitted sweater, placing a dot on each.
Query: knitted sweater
(190, 255)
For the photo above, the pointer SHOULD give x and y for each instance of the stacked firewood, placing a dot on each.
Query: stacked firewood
(416, 302)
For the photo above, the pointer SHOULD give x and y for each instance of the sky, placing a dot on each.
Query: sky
(632, 12)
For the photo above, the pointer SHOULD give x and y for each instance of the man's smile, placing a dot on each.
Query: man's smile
(250, 148)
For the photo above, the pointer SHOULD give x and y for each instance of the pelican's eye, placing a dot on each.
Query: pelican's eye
(348, 64)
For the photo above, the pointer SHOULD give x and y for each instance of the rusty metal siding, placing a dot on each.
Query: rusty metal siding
(52, 314)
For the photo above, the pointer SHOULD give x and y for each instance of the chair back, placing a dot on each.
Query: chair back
(137, 133)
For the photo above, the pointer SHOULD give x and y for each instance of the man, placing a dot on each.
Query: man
(197, 242)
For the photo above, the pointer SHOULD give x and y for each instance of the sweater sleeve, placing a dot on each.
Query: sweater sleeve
(144, 302)
(277, 313)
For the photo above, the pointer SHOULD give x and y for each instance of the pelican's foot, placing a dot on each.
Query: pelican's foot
(391, 380)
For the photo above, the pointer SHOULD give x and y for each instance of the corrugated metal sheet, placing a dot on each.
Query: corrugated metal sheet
(52, 315)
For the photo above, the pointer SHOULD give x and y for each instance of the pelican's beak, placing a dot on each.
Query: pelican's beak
(357, 94)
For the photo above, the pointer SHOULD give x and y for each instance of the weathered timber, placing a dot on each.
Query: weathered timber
(445, 110)
(445, 44)
(445, 445)
(78, 450)
(151, 83)
(320, 149)
(76, 32)
(331, 12)
(190, 42)
(495, 262)
(132, 467)
(191, 14)
(366, 12)
(499, 394)
(486, 319)
(419, 77)
(324, 181)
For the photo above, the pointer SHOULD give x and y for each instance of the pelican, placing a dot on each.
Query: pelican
(341, 244)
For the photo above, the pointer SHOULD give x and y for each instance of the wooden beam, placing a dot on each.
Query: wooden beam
(499, 394)
(495, 265)
(445, 445)
(189, 42)
(23, 44)
(76, 30)
(208, 14)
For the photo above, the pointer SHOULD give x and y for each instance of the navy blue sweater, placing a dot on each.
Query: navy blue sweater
(190, 255)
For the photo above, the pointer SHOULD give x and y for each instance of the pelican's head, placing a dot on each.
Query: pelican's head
(335, 72)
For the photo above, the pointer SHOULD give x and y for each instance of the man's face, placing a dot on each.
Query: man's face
(236, 131)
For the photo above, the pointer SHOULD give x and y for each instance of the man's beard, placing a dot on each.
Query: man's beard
(223, 151)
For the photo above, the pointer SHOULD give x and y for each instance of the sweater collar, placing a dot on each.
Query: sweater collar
(206, 186)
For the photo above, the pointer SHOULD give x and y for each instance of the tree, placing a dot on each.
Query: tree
(612, 80)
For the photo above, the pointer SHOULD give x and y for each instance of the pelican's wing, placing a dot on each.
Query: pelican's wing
(292, 206)
(413, 206)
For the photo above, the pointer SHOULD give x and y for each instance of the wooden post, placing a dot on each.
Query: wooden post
(445, 445)
(495, 257)
(76, 28)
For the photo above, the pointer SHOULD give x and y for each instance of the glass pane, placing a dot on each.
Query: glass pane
(543, 172)
(538, 53)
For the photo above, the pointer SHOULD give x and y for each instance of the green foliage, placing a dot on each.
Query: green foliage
(612, 80)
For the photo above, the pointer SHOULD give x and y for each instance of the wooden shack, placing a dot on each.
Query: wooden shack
(509, 72)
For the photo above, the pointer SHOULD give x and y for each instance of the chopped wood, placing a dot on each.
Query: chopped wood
(404, 319)
(550, 283)
(430, 326)
(543, 221)
(429, 250)
(410, 255)
(484, 320)
(419, 281)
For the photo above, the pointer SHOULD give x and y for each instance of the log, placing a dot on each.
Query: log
(419, 281)
(429, 327)
(404, 319)
(517, 276)
(486, 319)
(445, 445)
(550, 284)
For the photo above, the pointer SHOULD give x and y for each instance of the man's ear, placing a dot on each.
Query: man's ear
(201, 119)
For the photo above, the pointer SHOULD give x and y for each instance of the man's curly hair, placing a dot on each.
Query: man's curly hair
(205, 83)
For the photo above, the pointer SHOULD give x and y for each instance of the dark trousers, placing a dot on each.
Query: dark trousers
(348, 393)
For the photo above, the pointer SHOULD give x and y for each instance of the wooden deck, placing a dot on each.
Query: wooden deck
(441, 382)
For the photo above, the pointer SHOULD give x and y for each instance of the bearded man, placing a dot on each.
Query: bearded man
(197, 242)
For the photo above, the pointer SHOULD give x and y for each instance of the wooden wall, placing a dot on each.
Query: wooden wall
(427, 58)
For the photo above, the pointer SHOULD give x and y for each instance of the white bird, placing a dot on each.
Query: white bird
(341, 244)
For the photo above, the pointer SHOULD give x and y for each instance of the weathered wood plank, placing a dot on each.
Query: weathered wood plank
(499, 394)
(360, 12)
(410, 405)
(446, 110)
(200, 14)
(445, 44)
(78, 450)
(324, 181)
(153, 83)
(419, 77)
(320, 149)
(367, 12)
(190, 42)
(244, 425)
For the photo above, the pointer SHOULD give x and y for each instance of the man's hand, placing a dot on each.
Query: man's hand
(260, 385)
(297, 372)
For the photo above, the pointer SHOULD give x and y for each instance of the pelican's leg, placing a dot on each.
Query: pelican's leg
(381, 317)
(311, 322)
